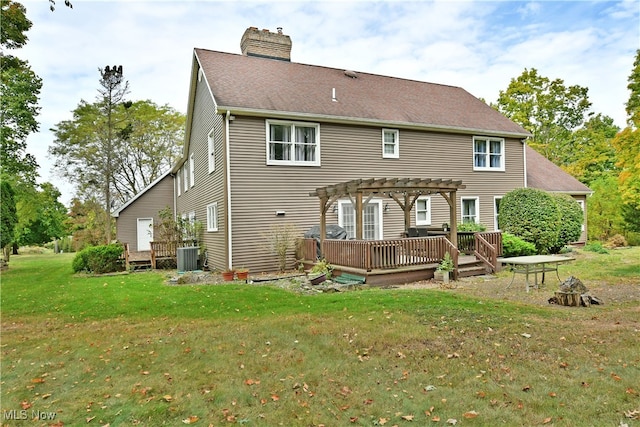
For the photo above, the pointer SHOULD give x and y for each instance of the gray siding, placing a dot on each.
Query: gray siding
(156, 198)
(349, 152)
(209, 187)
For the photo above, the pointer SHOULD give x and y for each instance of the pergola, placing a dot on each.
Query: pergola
(405, 191)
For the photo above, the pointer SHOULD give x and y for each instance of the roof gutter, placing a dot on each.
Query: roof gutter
(363, 121)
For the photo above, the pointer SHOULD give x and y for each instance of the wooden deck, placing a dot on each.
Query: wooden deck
(385, 262)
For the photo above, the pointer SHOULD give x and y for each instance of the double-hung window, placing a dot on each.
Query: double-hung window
(423, 210)
(488, 153)
(470, 212)
(192, 170)
(293, 143)
(212, 150)
(212, 217)
(390, 143)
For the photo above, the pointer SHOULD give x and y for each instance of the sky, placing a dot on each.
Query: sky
(477, 45)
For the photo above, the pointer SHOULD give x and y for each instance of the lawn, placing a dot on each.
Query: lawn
(132, 350)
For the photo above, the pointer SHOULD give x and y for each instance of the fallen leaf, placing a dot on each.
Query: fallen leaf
(547, 420)
(25, 405)
(275, 397)
(552, 394)
(167, 398)
(192, 419)
(526, 388)
(89, 419)
(383, 421)
(435, 419)
(634, 415)
(37, 380)
(470, 414)
(452, 421)
(353, 419)
(631, 391)
(526, 335)
(251, 381)
(408, 417)
(615, 377)
(481, 394)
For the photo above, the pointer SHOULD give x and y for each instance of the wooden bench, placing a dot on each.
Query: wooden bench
(349, 279)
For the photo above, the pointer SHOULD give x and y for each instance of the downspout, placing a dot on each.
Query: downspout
(228, 178)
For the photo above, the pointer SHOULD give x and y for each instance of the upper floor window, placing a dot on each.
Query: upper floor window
(390, 143)
(185, 177)
(192, 170)
(179, 181)
(470, 209)
(488, 153)
(293, 143)
(423, 210)
(212, 151)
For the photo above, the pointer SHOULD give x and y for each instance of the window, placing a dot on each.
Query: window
(192, 170)
(212, 217)
(372, 219)
(423, 210)
(291, 143)
(179, 181)
(185, 177)
(496, 210)
(470, 209)
(390, 144)
(581, 203)
(488, 153)
(212, 151)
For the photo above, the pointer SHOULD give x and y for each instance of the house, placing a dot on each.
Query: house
(264, 133)
(136, 218)
(545, 175)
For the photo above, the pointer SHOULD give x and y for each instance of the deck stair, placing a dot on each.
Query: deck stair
(139, 260)
(470, 266)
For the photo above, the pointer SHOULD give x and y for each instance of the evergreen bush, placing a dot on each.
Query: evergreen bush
(99, 259)
(515, 246)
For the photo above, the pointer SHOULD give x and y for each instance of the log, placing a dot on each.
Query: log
(570, 299)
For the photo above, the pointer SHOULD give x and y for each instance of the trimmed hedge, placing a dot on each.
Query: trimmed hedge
(515, 246)
(99, 259)
(546, 220)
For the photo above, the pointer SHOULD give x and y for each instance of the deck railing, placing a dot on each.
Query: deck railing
(383, 254)
(166, 251)
(488, 247)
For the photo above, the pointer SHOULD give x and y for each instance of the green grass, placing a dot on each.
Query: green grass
(131, 350)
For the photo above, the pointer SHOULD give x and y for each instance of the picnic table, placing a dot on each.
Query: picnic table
(534, 264)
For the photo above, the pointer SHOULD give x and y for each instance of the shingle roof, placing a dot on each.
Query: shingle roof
(245, 83)
(545, 175)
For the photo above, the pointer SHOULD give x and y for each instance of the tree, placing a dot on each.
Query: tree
(86, 223)
(8, 218)
(633, 104)
(546, 108)
(593, 154)
(42, 217)
(604, 215)
(20, 88)
(113, 149)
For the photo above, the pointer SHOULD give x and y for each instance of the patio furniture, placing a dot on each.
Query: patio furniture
(534, 264)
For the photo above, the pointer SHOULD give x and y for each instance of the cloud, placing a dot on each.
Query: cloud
(479, 46)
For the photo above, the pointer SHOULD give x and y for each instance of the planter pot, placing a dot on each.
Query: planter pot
(441, 276)
(242, 275)
(318, 279)
(227, 276)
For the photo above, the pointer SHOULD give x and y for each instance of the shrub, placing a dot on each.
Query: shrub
(596, 247)
(617, 241)
(99, 259)
(471, 226)
(571, 220)
(532, 215)
(515, 246)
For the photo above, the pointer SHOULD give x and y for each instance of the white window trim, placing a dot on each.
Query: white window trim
(428, 220)
(271, 162)
(581, 203)
(477, 215)
(487, 154)
(495, 213)
(378, 202)
(212, 216)
(185, 178)
(192, 171)
(396, 147)
(211, 150)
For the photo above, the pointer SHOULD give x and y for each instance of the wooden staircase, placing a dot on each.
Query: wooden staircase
(470, 266)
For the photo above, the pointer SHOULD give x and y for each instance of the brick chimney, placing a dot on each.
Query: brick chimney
(266, 44)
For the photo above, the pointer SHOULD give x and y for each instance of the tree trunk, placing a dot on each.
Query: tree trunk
(15, 249)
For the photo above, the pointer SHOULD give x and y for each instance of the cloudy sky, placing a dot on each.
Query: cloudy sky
(478, 45)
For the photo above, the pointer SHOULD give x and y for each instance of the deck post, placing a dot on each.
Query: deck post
(359, 216)
(323, 225)
(453, 215)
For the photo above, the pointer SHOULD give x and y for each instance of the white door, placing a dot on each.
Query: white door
(372, 219)
(145, 233)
